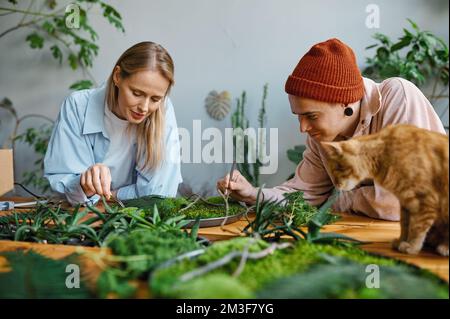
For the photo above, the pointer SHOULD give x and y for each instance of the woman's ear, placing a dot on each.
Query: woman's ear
(116, 75)
(332, 148)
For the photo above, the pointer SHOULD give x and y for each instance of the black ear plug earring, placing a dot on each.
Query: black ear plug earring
(348, 111)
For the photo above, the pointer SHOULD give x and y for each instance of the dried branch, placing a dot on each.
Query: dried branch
(228, 258)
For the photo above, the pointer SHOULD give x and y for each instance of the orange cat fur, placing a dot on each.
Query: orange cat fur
(412, 164)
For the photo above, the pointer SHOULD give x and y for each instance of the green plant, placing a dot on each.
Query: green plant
(295, 155)
(418, 56)
(75, 46)
(339, 277)
(36, 138)
(138, 252)
(255, 277)
(243, 145)
(191, 207)
(52, 224)
(285, 218)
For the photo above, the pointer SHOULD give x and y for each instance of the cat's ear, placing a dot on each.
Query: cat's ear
(332, 148)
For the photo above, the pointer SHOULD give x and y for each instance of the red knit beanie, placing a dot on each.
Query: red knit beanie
(328, 73)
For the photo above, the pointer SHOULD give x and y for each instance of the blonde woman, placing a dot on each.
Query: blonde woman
(119, 140)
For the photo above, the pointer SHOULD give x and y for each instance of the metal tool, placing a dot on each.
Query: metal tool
(9, 205)
(118, 201)
(227, 192)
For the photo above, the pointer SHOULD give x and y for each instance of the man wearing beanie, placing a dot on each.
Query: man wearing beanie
(334, 102)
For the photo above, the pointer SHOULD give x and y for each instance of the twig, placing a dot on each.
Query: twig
(40, 14)
(20, 25)
(243, 260)
(225, 199)
(190, 205)
(26, 14)
(228, 258)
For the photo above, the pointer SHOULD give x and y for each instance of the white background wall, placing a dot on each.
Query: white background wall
(229, 45)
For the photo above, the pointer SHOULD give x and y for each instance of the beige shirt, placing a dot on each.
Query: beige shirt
(393, 101)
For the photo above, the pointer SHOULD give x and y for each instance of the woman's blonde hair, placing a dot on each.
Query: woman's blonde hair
(150, 133)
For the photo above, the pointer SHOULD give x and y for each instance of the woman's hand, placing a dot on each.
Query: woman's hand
(96, 180)
(239, 188)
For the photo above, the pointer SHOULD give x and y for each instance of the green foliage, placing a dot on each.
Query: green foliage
(78, 47)
(157, 245)
(215, 286)
(36, 276)
(239, 122)
(38, 139)
(170, 207)
(36, 41)
(295, 155)
(424, 58)
(55, 225)
(139, 253)
(303, 259)
(81, 85)
(342, 278)
(274, 219)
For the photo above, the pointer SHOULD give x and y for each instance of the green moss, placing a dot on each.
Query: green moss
(156, 246)
(170, 207)
(257, 274)
(215, 286)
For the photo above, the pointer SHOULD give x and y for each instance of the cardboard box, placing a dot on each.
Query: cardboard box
(6, 171)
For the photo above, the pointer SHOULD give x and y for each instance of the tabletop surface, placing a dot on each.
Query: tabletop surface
(379, 233)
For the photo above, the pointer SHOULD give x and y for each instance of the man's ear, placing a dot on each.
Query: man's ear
(332, 148)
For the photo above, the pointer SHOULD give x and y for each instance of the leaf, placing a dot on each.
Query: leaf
(51, 4)
(296, 155)
(194, 229)
(113, 16)
(404, 42)
(73, 62)
(371, 46)
(81, 85)
(413, 24)
(49, 27)
(57, 53)
(8, 105)
(36, 41)
(382, 54)
(330, 237)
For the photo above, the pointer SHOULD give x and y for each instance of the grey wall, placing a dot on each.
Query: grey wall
(223, 45)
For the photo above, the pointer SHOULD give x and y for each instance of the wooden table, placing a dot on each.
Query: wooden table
(378, 232)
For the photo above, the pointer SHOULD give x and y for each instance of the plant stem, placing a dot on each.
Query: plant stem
(229, 257)
(21, 119)
(26, 24)
(34, 13)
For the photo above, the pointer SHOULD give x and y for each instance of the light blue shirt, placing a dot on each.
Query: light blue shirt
(80, 140)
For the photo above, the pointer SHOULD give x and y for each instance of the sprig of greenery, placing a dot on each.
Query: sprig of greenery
(424, 59)
(239, 122)
(49, 223)
(285, 218)
(78, 47)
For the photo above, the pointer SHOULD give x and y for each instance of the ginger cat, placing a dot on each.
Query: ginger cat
(412, 164)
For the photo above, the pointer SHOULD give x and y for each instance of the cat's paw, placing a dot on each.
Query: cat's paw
(442, 249)
(395, 243)
(407, 248)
